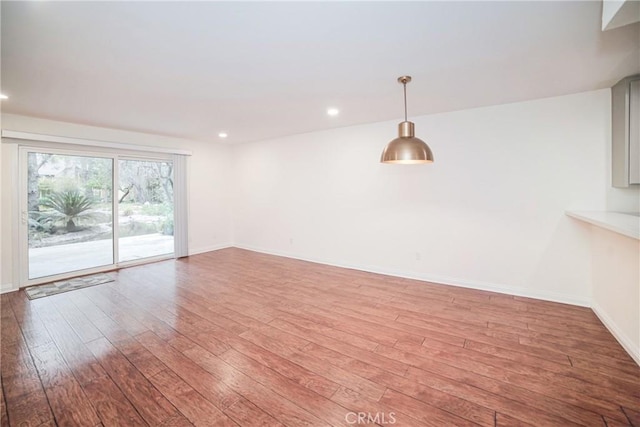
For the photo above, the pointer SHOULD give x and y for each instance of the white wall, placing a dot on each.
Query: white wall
(489, 213)
(210, 211)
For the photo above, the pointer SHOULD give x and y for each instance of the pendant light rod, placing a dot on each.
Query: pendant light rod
(404, 80)
(405, 101)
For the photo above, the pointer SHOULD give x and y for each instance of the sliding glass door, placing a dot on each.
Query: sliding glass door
(145, 208)
(68, 204)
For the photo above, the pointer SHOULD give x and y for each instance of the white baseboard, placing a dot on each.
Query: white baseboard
(197, 251)
(450, 281)
(624, 340)
(504, 289)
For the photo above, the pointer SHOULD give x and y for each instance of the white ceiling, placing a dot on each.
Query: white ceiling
(265, 69)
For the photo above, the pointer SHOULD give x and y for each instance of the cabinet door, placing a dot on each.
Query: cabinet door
(625, 132)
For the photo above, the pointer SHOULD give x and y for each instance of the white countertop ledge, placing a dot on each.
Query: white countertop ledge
(627, 224)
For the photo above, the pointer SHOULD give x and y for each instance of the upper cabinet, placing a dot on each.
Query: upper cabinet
(625, 123)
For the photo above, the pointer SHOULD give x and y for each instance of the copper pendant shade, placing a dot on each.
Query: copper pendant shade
(406, 149)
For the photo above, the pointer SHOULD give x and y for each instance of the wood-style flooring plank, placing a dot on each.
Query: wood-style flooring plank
(504, 382)
(423, 411)
(275, 404)
(80, 360)
(320, 406)
(246, 413)
(633, 416)
(4, 416)
(372, 358)
(81, 325)
(152, 406)
(524, 407)
(111, 405)
(69, 404)
(188, 401)
(287, 368)
(241, 385)
(360, 406)
(469, 402)
(216, 392)
(23, 390)
(535, 379)
(503, 420)
(28, 321)
(608, 422)
(331, 372)
(558, 373)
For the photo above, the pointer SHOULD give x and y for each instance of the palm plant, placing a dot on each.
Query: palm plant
(68, 206)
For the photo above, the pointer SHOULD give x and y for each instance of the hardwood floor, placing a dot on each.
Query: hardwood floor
(239, 338)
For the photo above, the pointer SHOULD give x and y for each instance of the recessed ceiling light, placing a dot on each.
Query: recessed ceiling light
(3, 96)
(223, 135)
(333, 112)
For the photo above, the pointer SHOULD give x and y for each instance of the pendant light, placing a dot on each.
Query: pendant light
(406, 149)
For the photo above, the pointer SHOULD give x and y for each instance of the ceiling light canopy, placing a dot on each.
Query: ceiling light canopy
(406, 149)
(333, 112)
(223, 135)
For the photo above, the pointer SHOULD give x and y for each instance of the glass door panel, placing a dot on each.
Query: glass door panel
(145, 209)
(69, 210)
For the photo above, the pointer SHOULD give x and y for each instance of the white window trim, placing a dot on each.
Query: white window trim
(90, 142)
